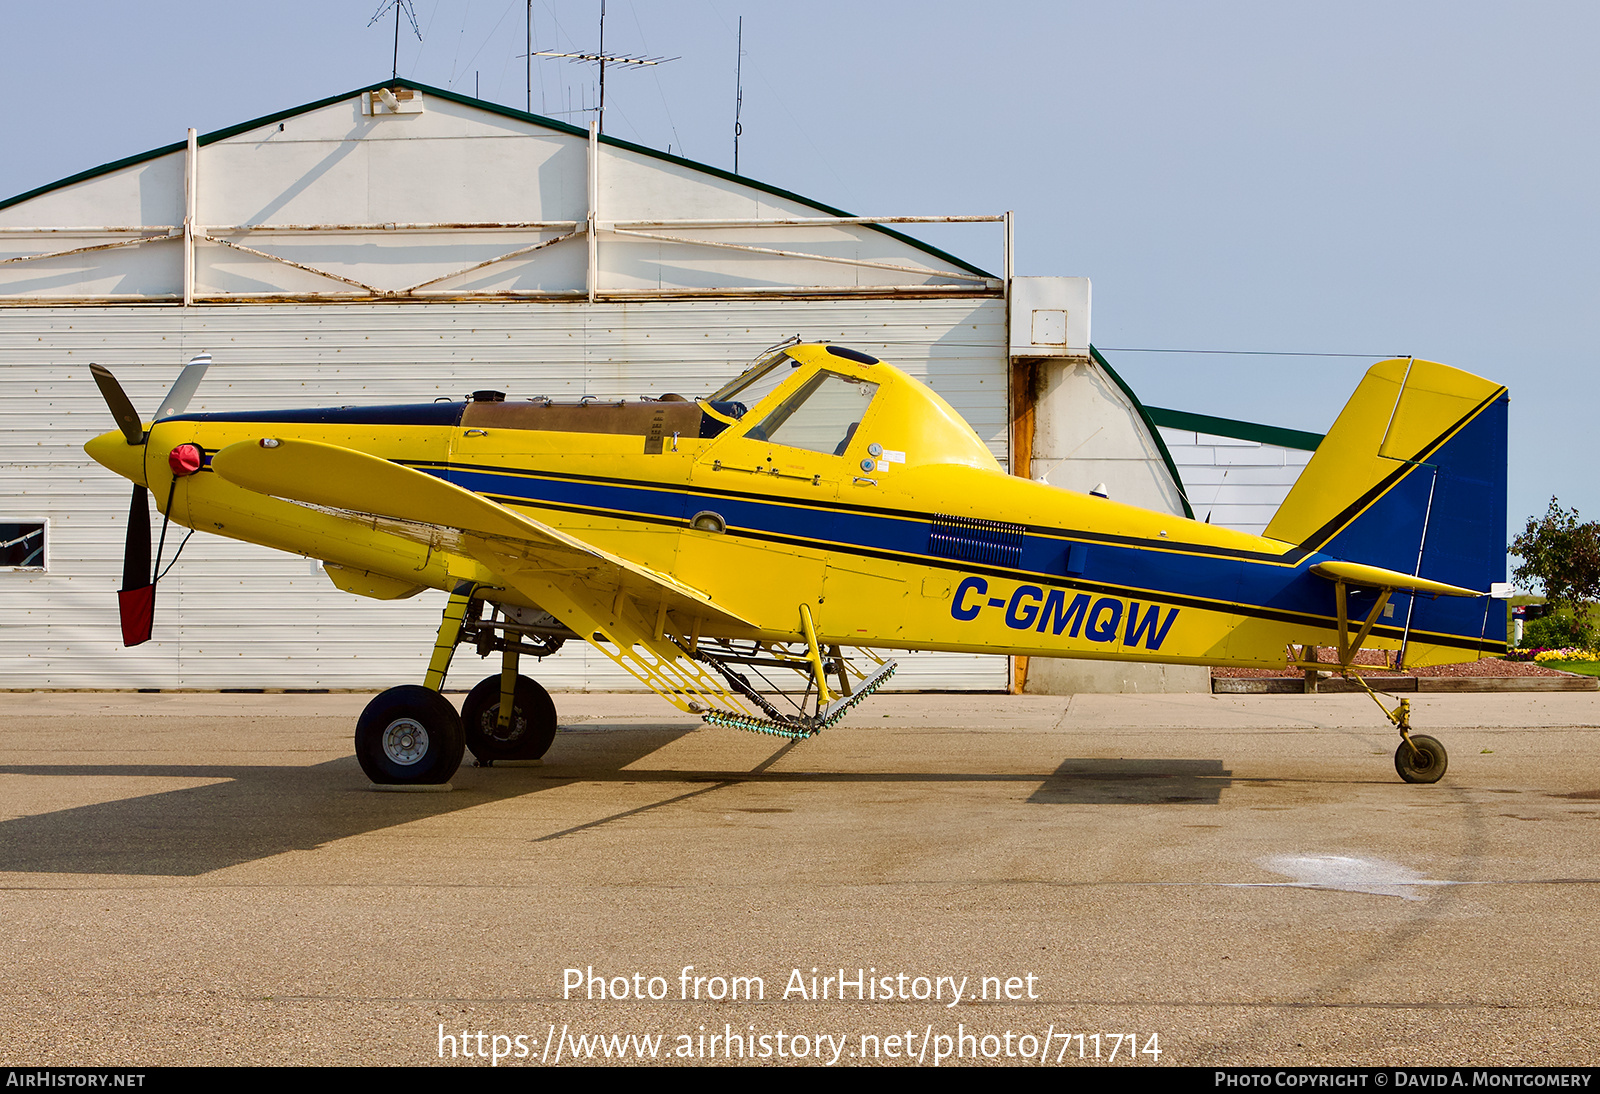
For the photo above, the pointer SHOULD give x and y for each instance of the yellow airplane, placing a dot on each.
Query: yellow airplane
(821, 506)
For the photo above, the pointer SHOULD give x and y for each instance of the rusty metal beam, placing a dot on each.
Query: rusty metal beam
(796, 222)
(95, 230)
(435, 296)
(91, 247)
(491, 261)
(410, 226)
(191, 169)
(505, 225)
(863, 262)
(374, 290)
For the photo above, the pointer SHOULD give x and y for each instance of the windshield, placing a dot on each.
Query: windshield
(820, 417)
(756, 382)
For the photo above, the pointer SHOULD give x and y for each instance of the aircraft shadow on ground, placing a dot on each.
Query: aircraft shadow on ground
(1134, 782)
(261, 811)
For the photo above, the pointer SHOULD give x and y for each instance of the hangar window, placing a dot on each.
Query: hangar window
(821, 417)
(22, 545)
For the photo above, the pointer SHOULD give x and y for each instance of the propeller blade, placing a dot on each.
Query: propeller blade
(136, 551)
(136, 600)
(177, 400)
(128, 419)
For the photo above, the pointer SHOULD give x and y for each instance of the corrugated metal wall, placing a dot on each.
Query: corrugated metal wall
(237, 616)
(1232, 481)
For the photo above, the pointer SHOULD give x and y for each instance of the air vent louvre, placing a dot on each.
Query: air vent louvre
(967, 539)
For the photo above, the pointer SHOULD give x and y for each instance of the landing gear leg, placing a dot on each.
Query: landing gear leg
(1419, 759)
(444, 648)
(508, 691)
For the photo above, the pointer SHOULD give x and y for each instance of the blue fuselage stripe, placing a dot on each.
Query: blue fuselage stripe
(1224, 583)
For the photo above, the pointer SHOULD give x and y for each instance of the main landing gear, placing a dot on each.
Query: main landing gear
(411, 735)
(525, 735)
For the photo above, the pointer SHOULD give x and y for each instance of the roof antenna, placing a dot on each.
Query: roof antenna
(602, 58)
(407, 6)
(738, 95)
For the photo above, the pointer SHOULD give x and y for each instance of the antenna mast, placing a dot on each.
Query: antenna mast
(738, 95)
(407, 6)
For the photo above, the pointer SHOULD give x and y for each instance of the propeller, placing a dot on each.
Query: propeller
(177, 400)
(128, 419)
(136, 600)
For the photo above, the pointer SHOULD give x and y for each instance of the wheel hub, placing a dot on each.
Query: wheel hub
(512, 732)
(405, 741)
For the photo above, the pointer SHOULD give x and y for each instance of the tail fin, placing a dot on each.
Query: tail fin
(1412, 478)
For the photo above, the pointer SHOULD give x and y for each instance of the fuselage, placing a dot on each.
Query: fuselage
(849, 486)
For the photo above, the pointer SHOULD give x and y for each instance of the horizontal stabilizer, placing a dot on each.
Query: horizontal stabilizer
(1376, 577)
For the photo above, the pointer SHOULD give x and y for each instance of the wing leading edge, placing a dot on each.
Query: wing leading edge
(625, 610)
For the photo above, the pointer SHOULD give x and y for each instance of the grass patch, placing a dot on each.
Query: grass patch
(1582, 668)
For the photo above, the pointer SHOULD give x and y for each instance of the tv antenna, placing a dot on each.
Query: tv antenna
(601, 58)
(407, 6)
(738, 95)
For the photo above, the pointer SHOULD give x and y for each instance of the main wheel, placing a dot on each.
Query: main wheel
(1426, 765)
(409, 734)
(532, 728)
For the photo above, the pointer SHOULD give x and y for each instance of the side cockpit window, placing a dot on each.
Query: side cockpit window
(820, 417)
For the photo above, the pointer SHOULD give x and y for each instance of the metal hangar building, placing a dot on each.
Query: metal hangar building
(401, 243)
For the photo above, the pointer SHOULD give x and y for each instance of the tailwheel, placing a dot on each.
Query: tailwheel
(532, 724)
(409, 734)
(1421, 759)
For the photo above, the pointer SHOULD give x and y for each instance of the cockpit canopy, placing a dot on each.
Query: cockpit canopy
(840, 393)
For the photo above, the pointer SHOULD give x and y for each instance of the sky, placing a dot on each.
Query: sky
(1372, 179)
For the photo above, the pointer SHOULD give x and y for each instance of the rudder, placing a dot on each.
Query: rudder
(1412, 478)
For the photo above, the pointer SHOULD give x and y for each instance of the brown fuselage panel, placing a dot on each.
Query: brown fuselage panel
(636, 419)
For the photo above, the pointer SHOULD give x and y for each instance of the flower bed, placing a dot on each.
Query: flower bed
(1491, 666)
(1566, 653)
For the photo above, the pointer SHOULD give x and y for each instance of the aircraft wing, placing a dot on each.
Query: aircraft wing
(1376, 577)
(526, 551)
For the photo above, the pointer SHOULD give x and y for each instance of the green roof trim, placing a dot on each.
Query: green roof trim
(493, 108)
(1229, 427)
(179, 146)
(1155, 434)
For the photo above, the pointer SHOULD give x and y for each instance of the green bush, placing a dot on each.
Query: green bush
(1557, 632)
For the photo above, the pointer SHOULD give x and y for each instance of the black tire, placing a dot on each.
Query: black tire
(1426, 765)
(533, 721)
(409, 734)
